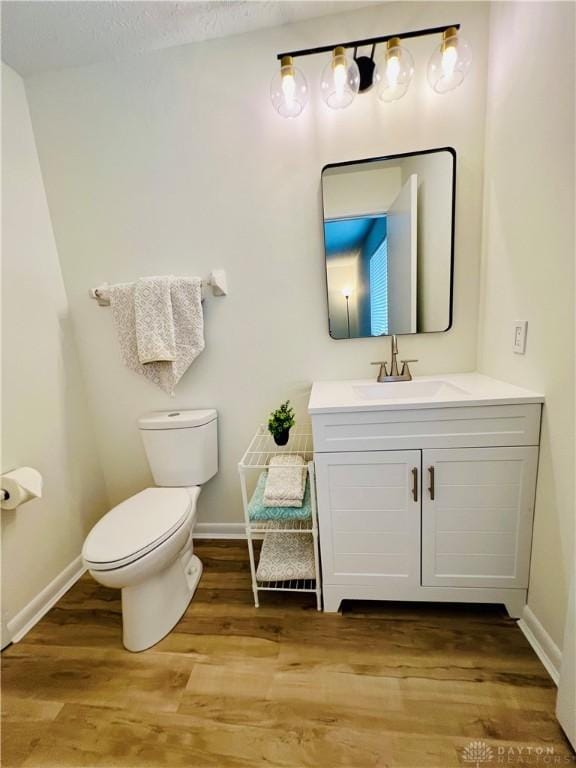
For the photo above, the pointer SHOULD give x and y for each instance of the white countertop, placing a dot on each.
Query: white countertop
(440, 391)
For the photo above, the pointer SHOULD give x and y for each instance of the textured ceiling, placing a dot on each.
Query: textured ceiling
(41, 35)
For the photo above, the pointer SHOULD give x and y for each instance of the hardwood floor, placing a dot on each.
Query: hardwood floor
(283, 685)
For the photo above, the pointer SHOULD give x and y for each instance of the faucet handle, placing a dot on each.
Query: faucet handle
(406, 367)
(383, 369)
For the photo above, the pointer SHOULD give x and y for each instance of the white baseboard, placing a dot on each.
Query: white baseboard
(541, 642)
(41, 604)
(219, 531)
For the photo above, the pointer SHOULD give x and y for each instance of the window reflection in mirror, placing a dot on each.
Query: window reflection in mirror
(388, 236)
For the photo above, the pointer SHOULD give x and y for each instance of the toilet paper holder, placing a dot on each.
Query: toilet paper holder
(19, 486)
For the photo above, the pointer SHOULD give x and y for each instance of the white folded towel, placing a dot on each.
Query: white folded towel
(155, 334)
(188, 322)
(286, 481)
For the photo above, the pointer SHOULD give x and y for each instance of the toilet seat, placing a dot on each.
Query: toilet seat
(137, 526)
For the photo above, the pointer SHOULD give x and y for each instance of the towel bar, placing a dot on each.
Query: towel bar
(216, 280)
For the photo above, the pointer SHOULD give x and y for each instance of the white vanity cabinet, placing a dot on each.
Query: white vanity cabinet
(430, 501)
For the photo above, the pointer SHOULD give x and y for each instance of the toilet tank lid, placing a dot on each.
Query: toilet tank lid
(177, 419)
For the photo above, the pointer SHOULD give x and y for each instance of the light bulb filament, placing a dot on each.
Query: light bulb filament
(339, 78)
(393, 70)
(449, 60)
(288, 87)
(340, 72)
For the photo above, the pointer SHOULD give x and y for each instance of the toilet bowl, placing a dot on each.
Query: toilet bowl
(144, 546)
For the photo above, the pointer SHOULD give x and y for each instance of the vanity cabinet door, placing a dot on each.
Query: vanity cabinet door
(477, 510)
(369, 518)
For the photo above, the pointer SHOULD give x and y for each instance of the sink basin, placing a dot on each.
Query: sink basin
(407, 390)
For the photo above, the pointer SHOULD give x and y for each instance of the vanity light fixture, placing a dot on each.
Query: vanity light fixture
(342, 79)
(288, 89)
(394, 71)
(450, 62)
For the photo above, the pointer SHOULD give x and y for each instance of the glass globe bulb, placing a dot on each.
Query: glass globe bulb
(450, 62)
(289, 89)
(394, 71)
(340, 80)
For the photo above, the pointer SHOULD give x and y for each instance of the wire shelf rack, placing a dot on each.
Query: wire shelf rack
(291, 585)
(282, 526)
(255, 460)
(262, 448)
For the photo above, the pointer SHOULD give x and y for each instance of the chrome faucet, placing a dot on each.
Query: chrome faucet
(394, 375)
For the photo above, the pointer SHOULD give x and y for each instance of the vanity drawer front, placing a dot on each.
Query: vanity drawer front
(457, 427)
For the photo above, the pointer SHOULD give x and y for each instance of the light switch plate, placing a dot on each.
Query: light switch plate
(519, 338)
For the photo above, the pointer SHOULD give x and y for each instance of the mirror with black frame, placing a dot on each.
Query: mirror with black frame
(389, 244)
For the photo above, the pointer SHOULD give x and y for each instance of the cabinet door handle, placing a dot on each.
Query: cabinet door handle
(415, 483)
(432, 487)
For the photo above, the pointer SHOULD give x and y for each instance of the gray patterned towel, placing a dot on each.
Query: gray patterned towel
(286, 556)
(186, 299)
(155, 334)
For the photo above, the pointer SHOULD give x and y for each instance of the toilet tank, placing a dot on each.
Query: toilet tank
(181, 446)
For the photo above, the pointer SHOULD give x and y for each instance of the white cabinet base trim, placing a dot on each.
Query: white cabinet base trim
(513, 599)
(542, 644)
(29, 616)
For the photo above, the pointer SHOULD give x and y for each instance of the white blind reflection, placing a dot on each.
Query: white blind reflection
(379, 290)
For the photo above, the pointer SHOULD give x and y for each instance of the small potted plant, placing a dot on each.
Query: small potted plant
(280, 422)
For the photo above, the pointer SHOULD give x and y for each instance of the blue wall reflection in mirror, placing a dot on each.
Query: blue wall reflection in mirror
(357, 266)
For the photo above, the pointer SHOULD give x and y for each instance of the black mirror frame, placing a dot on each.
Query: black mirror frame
(348, 163)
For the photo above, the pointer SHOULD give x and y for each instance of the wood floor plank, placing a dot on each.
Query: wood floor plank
(24, 723)
(381, 686)
(119, 678)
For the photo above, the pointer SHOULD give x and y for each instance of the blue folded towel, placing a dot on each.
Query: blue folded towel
(258, 511)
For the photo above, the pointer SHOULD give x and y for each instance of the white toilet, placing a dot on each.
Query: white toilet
(144, 545)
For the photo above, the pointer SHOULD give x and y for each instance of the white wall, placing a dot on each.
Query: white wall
(348, 193)
(434, 236)
(44, 408)
(175, 162)
(528, 261)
